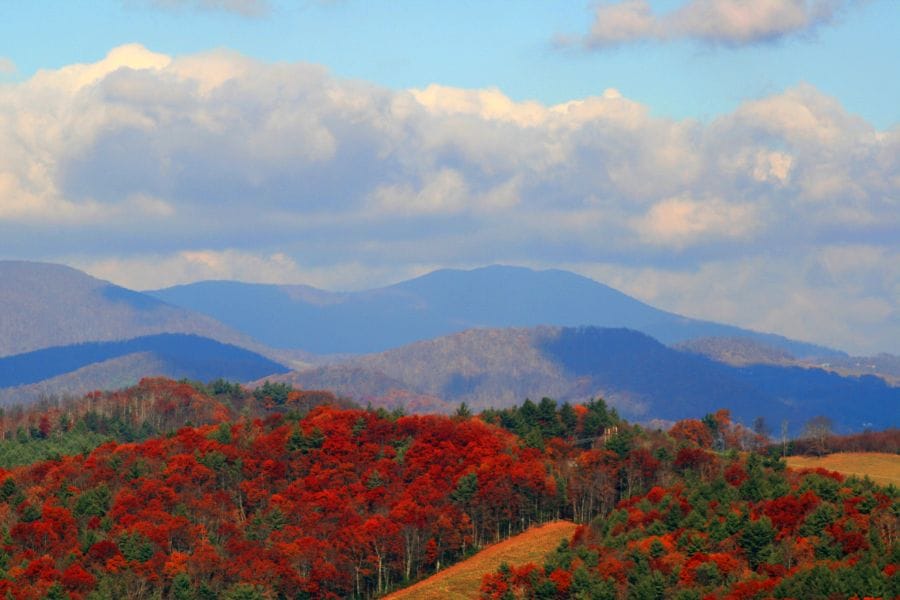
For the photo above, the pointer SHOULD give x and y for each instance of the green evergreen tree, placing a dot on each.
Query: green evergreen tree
(756, 540)
(181, 587)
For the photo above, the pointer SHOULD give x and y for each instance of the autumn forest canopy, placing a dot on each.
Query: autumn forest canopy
(280, 493)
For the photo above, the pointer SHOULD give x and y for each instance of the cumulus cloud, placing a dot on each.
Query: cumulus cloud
(679, 221)
(728, 22)
(212, 164)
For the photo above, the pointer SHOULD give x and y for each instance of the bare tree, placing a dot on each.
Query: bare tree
(817, 431)
(784, 437)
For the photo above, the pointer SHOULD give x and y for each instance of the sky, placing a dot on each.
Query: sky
(731, 160)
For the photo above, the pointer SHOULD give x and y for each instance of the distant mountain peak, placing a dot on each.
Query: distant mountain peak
(439, 303)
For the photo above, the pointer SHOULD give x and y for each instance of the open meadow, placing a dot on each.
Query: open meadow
(881, 467)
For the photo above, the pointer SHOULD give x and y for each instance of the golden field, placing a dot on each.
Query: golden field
(463, 580)
(880, 467)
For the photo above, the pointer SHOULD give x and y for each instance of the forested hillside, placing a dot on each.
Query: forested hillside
(730, 528)
(273, 494)
(61, 425)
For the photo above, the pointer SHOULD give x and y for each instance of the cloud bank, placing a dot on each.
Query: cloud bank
(726, 22)
(152, 170)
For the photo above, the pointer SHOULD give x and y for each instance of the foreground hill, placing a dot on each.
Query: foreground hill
(335, 503)
(641, 377)
(462, 581)
(339, 504)
(46, 305)
(108, 365)
(741, 530)
(437, 304)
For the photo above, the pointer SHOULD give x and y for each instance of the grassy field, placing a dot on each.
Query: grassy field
(463, 580)
(881, 468)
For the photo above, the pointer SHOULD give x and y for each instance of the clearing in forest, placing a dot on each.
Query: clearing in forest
(881, 467)
(462, 581)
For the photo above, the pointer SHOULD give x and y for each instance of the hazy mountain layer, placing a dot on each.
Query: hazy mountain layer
(437, 304)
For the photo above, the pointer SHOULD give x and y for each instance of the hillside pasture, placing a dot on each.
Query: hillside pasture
(462, 581)
(881, 467)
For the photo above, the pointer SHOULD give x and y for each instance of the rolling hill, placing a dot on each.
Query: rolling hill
(641, 377)
(437, 304)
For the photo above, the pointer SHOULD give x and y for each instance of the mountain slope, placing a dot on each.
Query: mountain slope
(641, 377)
(46, 305)
(436, 304)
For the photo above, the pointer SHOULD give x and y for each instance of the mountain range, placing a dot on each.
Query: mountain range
(440, 303)
(635, 373)
(490, 337)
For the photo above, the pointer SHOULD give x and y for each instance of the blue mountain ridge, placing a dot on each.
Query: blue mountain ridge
(679, 384)
(440, 303)
(194, 356)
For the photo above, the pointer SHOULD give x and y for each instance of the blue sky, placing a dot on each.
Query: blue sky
(731, 160)
(474, 44)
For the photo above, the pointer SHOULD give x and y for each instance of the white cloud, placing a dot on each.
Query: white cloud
(624, 22)
(73, 78)
(7, 66)
(444, 192)
(730, 22)
(150, 156)
(156, 271)
(679, 222)
(489, 104)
